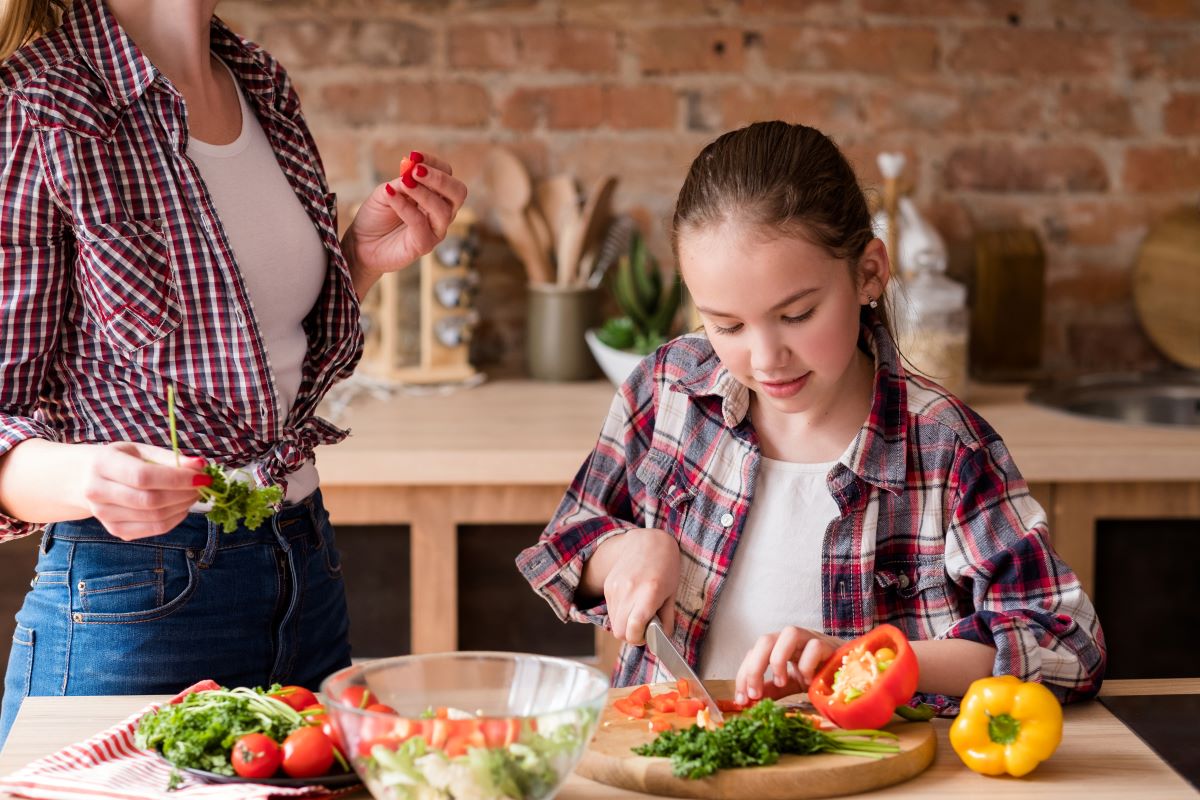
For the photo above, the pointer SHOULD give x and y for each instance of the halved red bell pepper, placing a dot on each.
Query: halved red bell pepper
(864, 681)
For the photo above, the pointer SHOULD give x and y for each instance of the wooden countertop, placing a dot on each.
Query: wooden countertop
(1099, 758)
(526, 433)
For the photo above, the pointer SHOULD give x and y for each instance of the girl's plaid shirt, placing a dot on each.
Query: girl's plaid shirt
(938, 533)
(115, 275)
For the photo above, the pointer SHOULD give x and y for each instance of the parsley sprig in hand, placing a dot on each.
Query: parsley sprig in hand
(233, 500)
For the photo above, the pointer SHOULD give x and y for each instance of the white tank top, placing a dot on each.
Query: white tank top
(775, 578)
(277, 249)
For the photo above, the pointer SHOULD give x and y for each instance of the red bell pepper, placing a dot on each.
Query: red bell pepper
(864, 681)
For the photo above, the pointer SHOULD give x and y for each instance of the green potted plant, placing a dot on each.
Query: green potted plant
(648, 304)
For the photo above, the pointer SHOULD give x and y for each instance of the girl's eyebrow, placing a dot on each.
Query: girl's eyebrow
(787, 301)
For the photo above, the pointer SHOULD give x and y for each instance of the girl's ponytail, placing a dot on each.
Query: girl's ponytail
(22, 21)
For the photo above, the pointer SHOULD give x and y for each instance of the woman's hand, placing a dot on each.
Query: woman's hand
(397, 223)
(641, 583)
(794, 656)
(135, 490)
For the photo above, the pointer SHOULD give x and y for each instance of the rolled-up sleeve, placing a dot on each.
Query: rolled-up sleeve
(1028, 603)
(597, 506)
(34, 262)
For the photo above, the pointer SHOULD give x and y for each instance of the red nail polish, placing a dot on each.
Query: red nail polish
(387, 187)
(421, 171)
(416, 157)
(408, 181)
(202, 480)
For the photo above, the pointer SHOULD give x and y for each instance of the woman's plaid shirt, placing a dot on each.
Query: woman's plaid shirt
(938, 534)
(115, 275)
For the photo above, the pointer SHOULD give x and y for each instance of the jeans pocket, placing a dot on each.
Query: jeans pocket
(110, 588)
(112, 594)
(20, 663)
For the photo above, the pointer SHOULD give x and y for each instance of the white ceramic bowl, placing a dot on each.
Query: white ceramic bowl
(616, 364)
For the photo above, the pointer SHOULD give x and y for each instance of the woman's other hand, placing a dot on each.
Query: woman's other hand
(135, 490)
(403, 220)
(794, 655)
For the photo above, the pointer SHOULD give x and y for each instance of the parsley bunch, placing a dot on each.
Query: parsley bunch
(232, 500)
(199, 731)
(757, 737)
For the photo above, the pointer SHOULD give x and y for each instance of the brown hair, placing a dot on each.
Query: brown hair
(791, 178)
(22, 21)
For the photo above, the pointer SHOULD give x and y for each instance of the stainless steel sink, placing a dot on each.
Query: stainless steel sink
(1159, 398)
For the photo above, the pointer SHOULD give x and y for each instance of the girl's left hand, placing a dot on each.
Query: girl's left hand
(794, 656)
(398, 224)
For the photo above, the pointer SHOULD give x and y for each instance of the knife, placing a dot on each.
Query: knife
(664, 650)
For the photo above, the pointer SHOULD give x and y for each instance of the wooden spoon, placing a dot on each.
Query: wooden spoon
(512, 191)
(559, 201)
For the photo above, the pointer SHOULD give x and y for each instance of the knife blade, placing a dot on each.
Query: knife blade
(673, 661)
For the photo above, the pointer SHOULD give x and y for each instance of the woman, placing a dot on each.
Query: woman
(167, 223)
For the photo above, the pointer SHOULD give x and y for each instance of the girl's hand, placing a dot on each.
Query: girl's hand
(398, 224)
(135, 490)
(794, 656)
(642, 583)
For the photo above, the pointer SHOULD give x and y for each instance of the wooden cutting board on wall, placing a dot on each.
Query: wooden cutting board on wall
(1166, 286)
(610, 760)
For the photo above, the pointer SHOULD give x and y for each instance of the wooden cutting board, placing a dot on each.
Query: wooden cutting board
(610, 760)
(1166, 286)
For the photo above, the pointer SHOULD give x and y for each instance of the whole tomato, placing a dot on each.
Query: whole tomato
(297, 697)
(357, 696)
(256, 755)
(307, 753)
(317, 716)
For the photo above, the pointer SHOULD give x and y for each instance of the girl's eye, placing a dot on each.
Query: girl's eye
(801, 318)
(730, 329)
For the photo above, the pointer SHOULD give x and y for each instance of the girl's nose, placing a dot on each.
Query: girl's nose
(768, 355)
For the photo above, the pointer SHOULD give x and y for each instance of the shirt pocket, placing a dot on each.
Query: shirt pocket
(669, 492)
(127, 281)
(912, 593)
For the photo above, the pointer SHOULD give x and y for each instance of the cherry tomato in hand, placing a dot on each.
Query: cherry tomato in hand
(256, 755)
(296, 696)
(307, 753)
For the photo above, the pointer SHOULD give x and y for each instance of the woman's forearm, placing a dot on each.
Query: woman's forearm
(596, 568)
(40, 481)
(948, 666)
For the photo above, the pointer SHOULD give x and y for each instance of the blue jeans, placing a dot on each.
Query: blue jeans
(250, 608)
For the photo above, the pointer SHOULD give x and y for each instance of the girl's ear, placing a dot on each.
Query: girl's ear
(874, 268)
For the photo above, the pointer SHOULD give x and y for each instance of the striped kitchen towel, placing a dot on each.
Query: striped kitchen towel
(109, 766)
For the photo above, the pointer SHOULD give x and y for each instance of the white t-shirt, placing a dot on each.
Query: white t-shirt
(278, 250)
(775, 578)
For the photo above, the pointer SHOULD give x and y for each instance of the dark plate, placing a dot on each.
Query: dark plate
(340, 781)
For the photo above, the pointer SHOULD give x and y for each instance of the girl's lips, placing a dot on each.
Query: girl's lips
(784, 389)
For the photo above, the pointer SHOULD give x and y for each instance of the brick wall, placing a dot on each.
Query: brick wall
(1080, 118)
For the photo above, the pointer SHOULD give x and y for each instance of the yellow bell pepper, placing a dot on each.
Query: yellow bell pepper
(1005, 725)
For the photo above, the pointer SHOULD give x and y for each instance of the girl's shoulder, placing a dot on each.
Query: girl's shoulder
(686, 360)
(935, 412)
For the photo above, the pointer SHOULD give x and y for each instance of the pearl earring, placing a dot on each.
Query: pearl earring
(872, 302)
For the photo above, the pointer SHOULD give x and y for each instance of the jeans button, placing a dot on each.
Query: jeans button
(77, 617)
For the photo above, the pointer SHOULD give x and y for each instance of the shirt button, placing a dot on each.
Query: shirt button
(241, 318)
(726, 519)
(904, 581)
(204, 223)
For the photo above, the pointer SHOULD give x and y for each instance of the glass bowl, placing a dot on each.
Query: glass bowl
(465, 725)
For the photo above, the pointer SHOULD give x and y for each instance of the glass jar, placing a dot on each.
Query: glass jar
(932, 324)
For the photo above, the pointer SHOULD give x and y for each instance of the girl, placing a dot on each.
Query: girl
(779, 484)
(167, 221)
